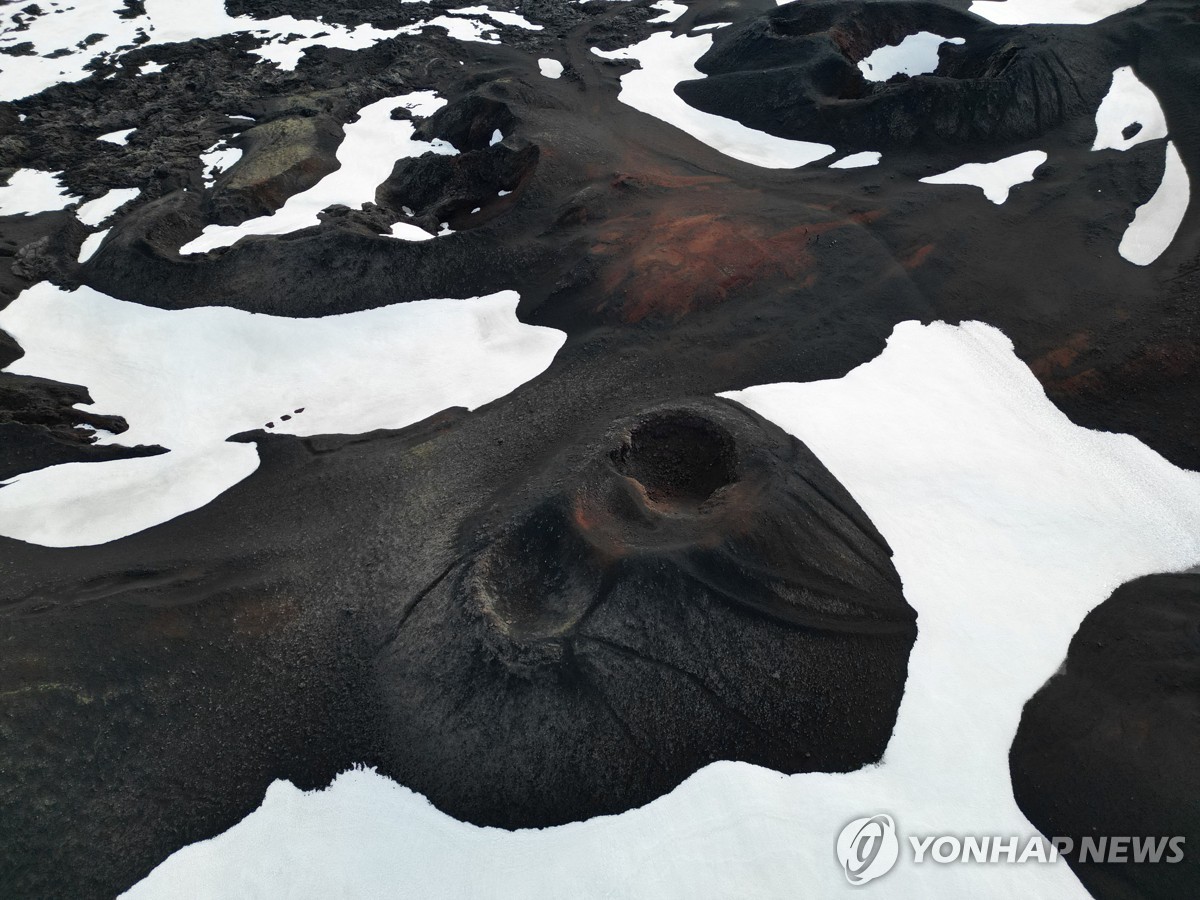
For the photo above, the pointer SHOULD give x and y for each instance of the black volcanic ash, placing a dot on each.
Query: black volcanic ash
(1109, 746)
(692, 585)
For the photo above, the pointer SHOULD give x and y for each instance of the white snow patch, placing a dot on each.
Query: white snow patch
(91, 244)
(404, 231)
(504, 18)
(858, 160)
(173, 21)
(151, 68)
(188, 379)
(551, 68)
(671, 11)
(1050, 12)
(497, 137)
(1008, 523)
(916, 54)
(1128, 101)
(366, 157)
(81, 504)
(995, 178)
(217, 159)
(62, 27)
(711, 26)
(32, 191)
(460, 29)
(1157, 220)
(94, 212)
(66, 24)
(666, 61)
(117, 137)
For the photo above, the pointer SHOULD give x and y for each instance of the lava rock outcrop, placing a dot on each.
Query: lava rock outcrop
(794, 73)
(1108, 746)
(692, 585)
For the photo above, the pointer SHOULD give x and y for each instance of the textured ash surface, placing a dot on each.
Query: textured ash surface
(153, 687)
(1108, 746)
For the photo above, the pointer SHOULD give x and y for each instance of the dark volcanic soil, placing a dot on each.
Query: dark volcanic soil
(1108, 746)
(597, 551)
(689, 585)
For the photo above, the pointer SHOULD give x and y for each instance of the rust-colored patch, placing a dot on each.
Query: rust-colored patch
(601, 529)
(669, 241)
(1086, 381)
(1051, 365)
(1150, 365)
(917, 257)
(663, 264)
(866, 216)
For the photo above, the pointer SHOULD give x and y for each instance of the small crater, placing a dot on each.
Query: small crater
(678, 458)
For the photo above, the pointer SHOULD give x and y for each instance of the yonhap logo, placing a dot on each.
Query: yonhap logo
(868, 848)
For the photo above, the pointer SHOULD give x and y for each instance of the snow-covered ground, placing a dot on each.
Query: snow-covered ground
(1008, 524)
(91, 244)
(1050, 12)
(218, 158)
(858, 160)
(916, 54)
(66, 24)
(1128, 103)
(117, 137)
(1157, 220)
(1045, 12)
(996, 179)
(365, 159)
(665, 61)
(189, 379)
(95, 212)
(671, 11)
(30, 191)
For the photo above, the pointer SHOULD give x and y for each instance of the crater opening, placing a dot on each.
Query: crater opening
(678, 457)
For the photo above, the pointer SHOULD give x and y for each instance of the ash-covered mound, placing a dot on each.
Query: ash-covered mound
(691, 585)
(1108, 746)
(794, 73)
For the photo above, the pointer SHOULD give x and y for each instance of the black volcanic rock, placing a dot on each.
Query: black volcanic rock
(469, 123)
(269, 647)
(280, 158)
(1109, 746)
(448, 188)
(692, 585)
(794, 73)
(40, 426)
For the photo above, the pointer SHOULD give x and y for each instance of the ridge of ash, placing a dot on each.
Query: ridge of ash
(692, 585)
(1108, 745)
